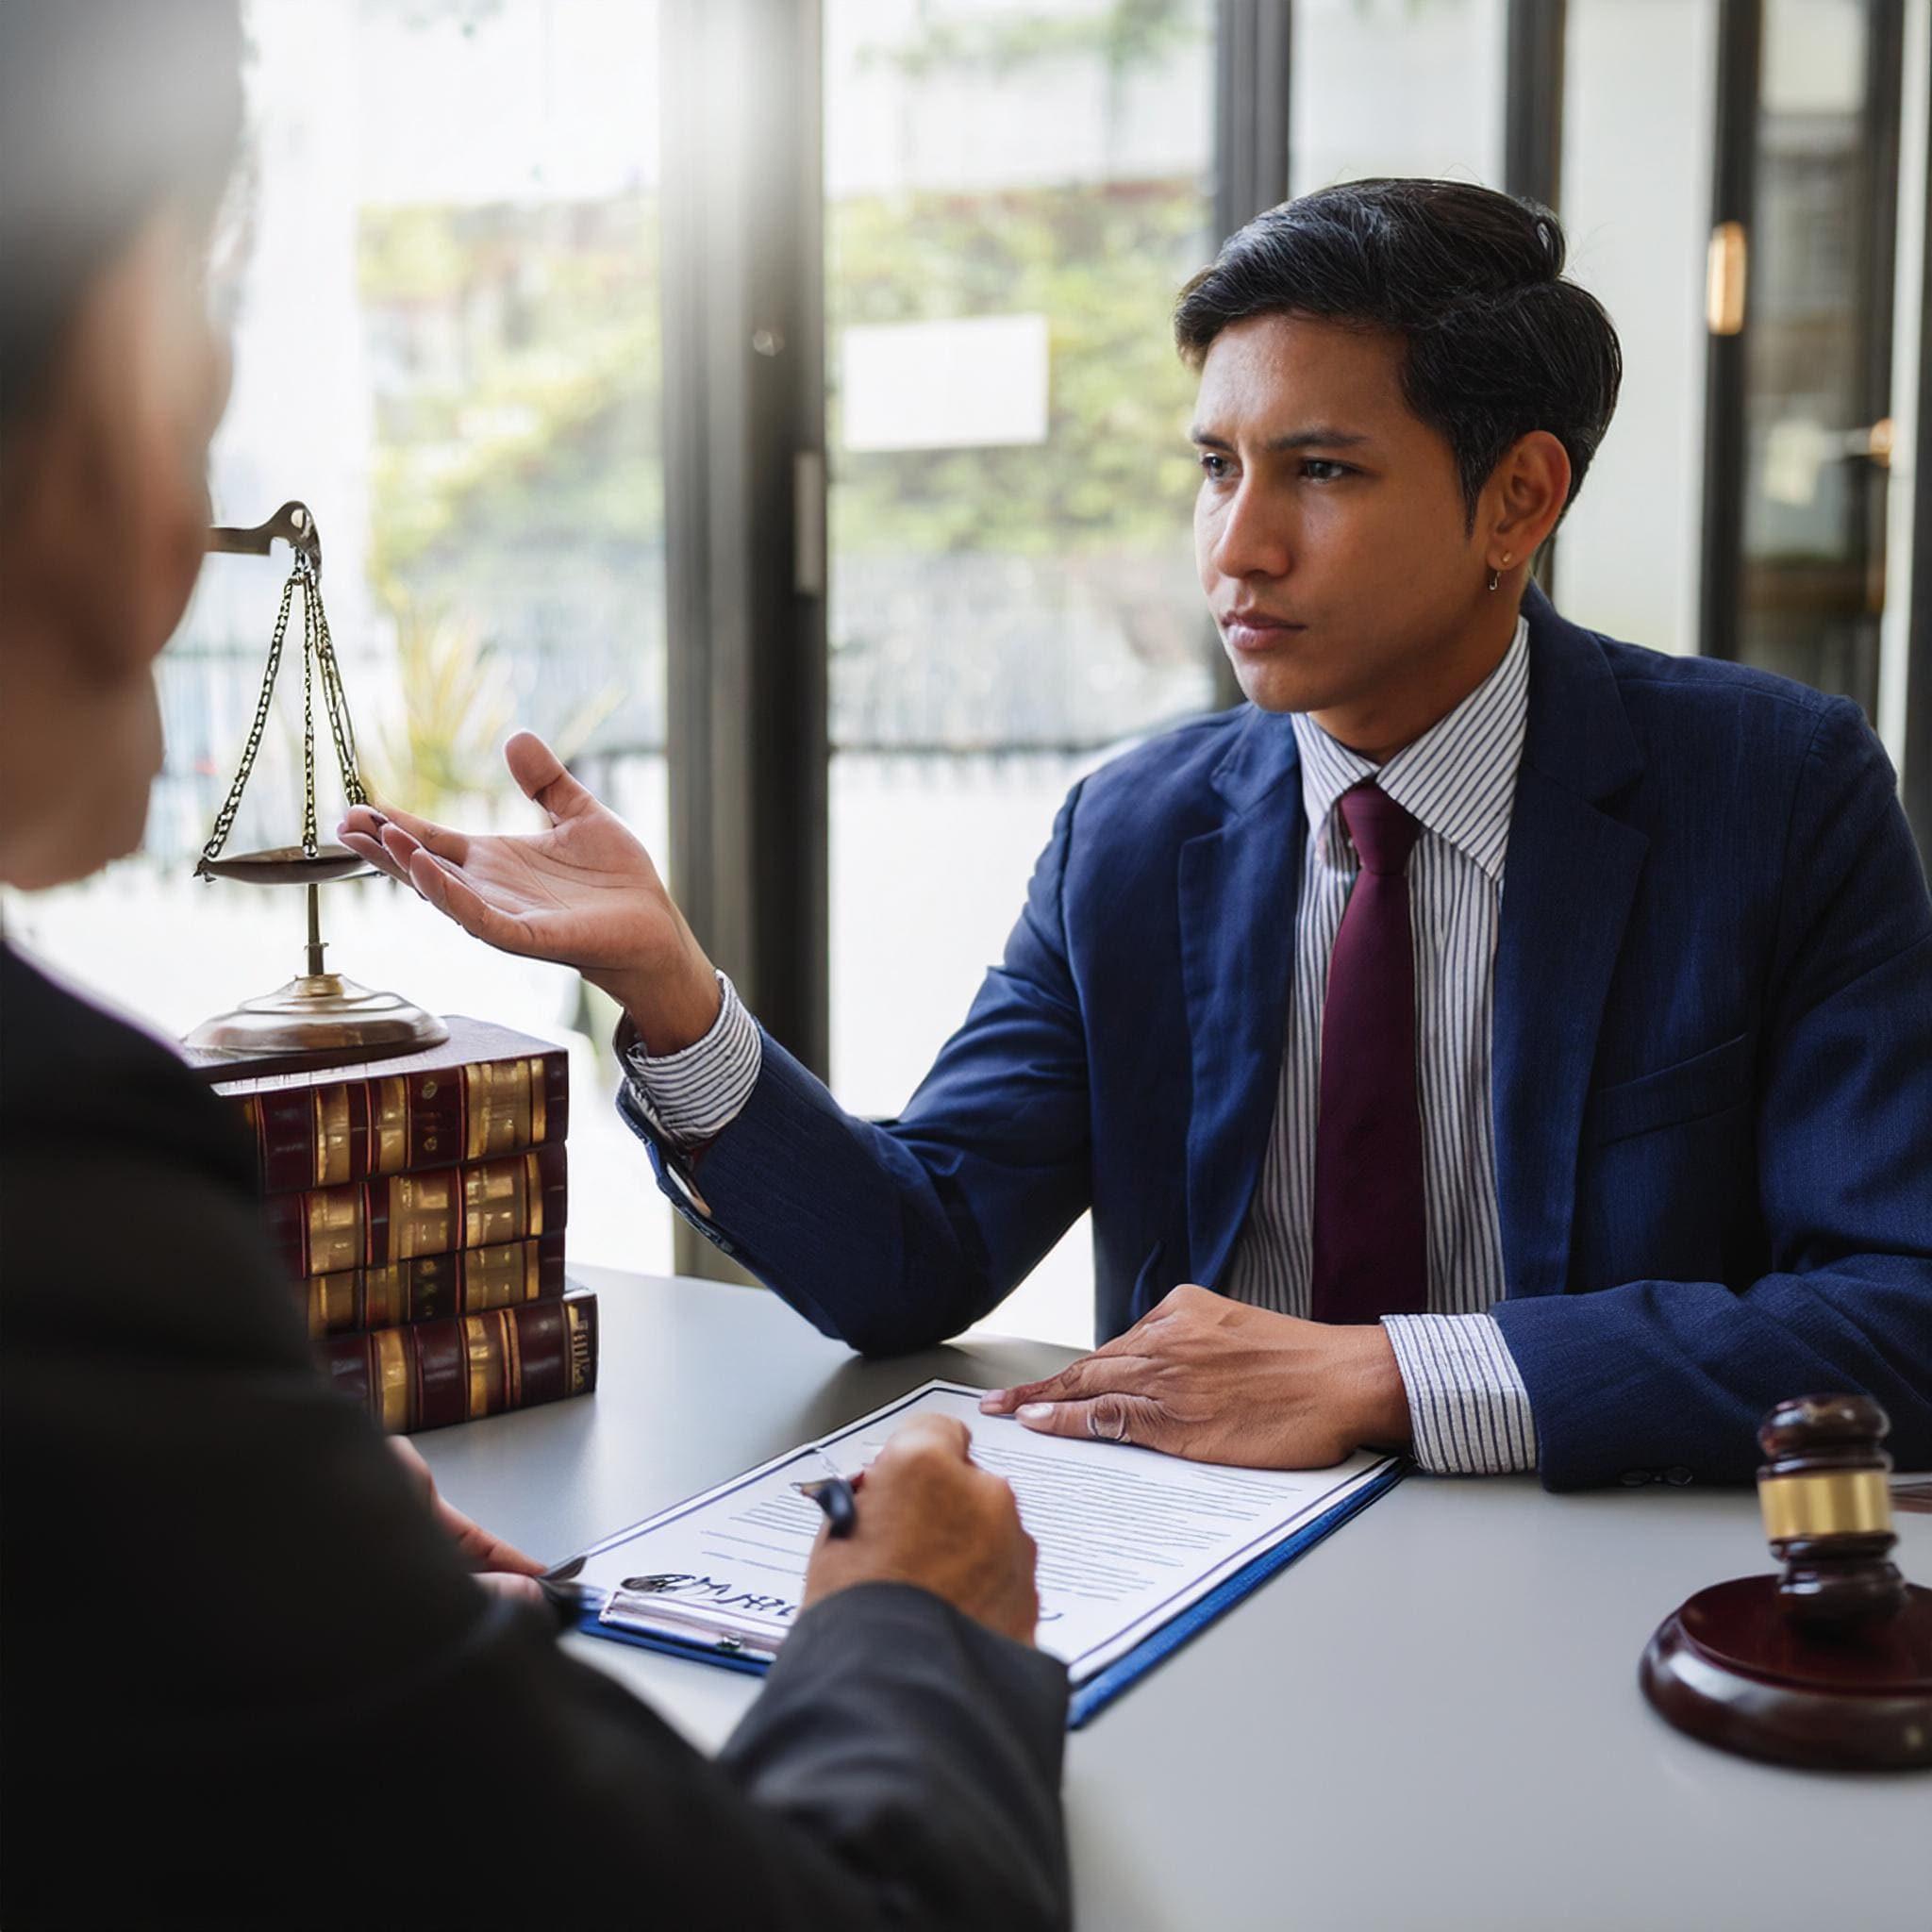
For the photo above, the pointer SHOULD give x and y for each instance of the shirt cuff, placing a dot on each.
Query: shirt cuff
(1467, 1407)
(699, 1091)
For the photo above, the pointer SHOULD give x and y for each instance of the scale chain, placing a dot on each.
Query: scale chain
(317, 645)
(224, 818)
(309, 837)
(337, 701)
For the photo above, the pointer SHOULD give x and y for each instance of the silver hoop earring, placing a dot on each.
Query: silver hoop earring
(1494, 580)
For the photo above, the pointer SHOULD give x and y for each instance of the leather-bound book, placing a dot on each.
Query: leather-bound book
(432, 1373)
(486, 1090)
(372, 1224)
(427, 1288)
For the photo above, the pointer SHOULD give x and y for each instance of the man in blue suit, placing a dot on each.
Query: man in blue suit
(1493, 1039)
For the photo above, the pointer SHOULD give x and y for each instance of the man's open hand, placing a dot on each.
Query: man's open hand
(583, 892)
(1218, 1381)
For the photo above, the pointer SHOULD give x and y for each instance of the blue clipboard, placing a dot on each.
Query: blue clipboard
(1096, 1692)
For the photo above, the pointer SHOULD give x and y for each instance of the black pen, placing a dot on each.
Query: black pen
(833, 1493)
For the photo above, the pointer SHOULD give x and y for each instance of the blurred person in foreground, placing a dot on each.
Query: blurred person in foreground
(247, 1677)
(1494, 1040)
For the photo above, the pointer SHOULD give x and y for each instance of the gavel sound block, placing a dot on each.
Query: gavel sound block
(1829, 1665)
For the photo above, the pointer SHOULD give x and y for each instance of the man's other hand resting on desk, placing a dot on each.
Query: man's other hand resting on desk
(1218, 1381)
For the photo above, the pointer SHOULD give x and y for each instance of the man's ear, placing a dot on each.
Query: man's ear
(1525, 498)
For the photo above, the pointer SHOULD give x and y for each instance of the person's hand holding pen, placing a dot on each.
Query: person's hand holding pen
(835, 1493)
(928, 1516)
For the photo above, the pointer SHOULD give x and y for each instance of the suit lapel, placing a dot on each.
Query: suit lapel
(1238, 885)
(1569, 883)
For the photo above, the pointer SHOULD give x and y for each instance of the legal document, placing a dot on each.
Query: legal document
(1131, 1541)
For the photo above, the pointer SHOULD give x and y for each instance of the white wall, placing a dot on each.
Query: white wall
(1637, 143)
(1396, 87)
(1907, 320)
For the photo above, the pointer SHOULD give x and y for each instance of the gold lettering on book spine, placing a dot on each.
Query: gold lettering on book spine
(389, 1124)
(540, 1104)
(503, 1201)
(335, 1230)
(497, 1103)
(392, 1379)
(422, 1213)
(332, 1136)
(579, 1342)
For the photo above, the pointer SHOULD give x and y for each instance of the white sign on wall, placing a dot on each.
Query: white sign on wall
(972, 383)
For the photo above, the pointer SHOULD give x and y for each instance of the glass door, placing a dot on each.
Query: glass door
(1802, 295)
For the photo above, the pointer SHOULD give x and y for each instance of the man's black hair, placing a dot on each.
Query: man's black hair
(1496, 343)
(109, 109)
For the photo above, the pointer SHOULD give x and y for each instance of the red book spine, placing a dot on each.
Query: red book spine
(430, 1131)
(433, 1374)
(466, 1281)
(326, 1133)
(482, 1203)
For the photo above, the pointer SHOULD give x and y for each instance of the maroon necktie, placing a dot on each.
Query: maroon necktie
(1371, 1232)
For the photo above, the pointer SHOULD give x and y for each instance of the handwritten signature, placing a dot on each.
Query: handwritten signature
(724, 1596)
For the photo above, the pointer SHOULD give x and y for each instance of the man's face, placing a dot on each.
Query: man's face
(1330, 529)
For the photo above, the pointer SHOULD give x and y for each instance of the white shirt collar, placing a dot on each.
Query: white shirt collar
(1459, 777)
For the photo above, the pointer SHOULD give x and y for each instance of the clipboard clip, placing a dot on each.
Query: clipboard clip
(636, 1604)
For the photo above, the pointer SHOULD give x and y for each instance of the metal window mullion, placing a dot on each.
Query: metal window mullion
(1533, 100)
(743, 528)
(1533, 135)
(1253, 54)
(1734, 188)
(1916, 760)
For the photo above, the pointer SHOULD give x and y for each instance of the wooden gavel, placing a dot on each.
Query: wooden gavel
(1829, 1664)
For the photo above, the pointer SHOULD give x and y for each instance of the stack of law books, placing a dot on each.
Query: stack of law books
(418, 1204)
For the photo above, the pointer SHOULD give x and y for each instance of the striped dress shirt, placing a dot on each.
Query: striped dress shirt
(1467, 1407)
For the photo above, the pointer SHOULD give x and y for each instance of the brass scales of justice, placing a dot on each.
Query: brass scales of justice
(318, 1012)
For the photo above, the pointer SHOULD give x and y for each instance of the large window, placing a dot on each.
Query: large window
(446, 331)
(1014, 195)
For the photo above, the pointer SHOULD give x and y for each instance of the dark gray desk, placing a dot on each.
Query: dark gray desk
(1432, 1720)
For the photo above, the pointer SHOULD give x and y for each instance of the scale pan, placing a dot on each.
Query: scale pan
(288, 865)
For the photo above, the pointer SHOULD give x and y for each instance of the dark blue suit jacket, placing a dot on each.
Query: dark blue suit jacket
(1712, 1066)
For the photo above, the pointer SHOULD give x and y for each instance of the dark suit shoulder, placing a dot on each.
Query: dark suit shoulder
(1709, 680)
(1731, 738)
(127, 1190)
(70, 1072)
(1666, 693)
(1172, 781)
